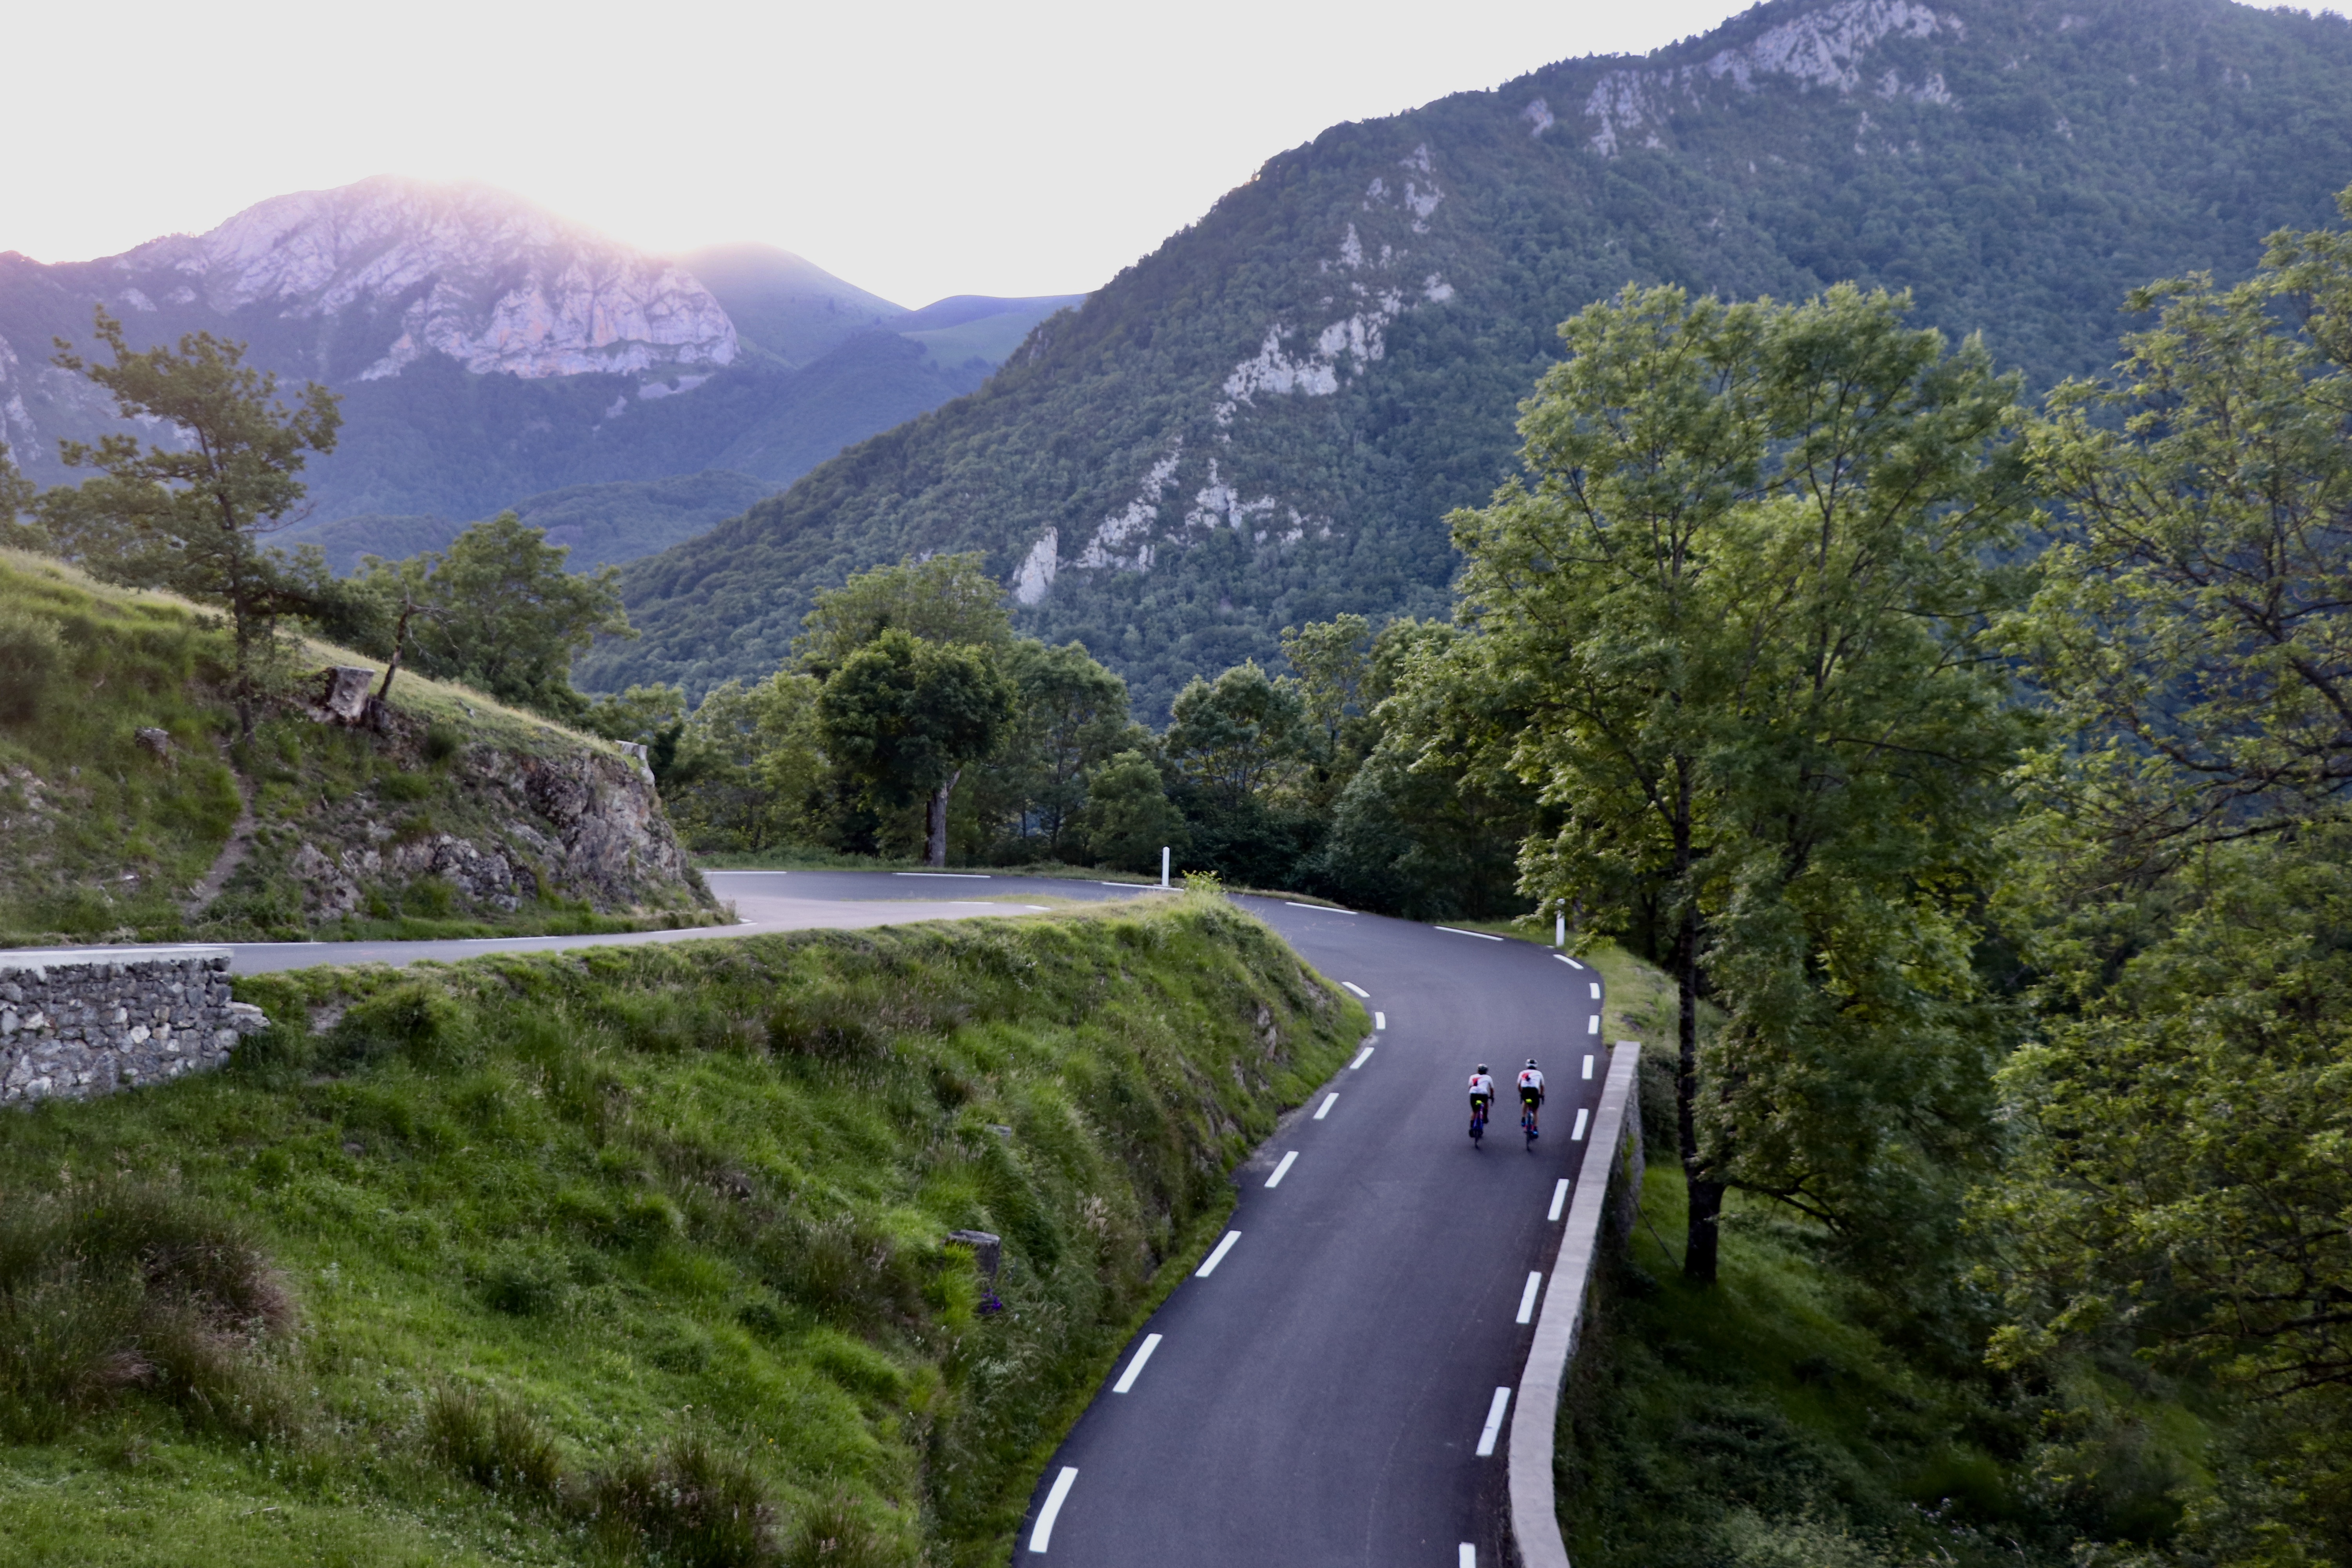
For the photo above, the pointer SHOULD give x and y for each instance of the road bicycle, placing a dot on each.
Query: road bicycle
(1528, 1121)
(1478, 1121)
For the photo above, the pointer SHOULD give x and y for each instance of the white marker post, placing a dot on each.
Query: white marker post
(1560, 930)
(1163, 865)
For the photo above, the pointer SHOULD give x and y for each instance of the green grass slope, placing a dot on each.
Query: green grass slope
(1265, 421)
(103, 838)
(635, 1255)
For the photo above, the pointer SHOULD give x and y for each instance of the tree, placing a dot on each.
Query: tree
(1238, 734)
(498, 611)
(905, 717)
(750, 765)
(1334, 659)
(1737, 609)
(16, 499)
(191, 519)
(1128, 818)
(2179, 1184)
(945, 599)
(1069, 715)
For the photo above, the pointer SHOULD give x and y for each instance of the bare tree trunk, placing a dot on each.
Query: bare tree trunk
(935, 837)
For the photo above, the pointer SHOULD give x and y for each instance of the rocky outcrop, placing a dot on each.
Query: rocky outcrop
(75, 1026)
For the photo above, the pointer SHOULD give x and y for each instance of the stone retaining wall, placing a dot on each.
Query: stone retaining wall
(79, 1023)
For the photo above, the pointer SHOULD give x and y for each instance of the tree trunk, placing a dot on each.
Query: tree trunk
(935, 836)
(1703, 1196)
(399, 641)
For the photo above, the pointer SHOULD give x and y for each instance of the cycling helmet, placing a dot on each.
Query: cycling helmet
(1482, 1066)
(1531, 1062)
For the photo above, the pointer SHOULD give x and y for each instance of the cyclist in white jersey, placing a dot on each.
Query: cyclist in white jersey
(1482, 1090)
(1531, 1089)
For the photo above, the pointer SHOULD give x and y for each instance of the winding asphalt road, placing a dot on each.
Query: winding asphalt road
(1332, 1386)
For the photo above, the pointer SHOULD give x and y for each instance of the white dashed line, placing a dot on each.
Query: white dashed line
(1596, 991)
(961, 877)
(1135, 1368)
(1493, 1422)
(1578, 1136)
(1569, 962)
(1325, 1109)
(1320, 909)
(1357, 989)
(1558, 1198)
(1282, 1169)
(1457, 931)
(1053, 1508)
(1379, 1021)
(1527, 1308)
(1218, 1257)
(1593, 1025)
(1361, 1058)
(1469, 1557)
(1588, 1066)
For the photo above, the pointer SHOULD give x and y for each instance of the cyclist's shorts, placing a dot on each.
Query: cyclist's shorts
(1529, 1096)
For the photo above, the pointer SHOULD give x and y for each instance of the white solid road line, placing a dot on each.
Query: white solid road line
(1357, 989)
(1325, 908)
(960, 876)
(1282, 1169)
(1558, 1198)
(1596, 991)
(1588, 1066)
(1468, 1557)
(1526, 1313)
(1325, 1109)
(1593, 1025)
(1569, 962)
(1134, 1368)
(1381, 1021)
(1481, 935)
(1218, 1257)
(1493, 1422)
(1578, 1136)
(1053, 1508)
(1361, 1058)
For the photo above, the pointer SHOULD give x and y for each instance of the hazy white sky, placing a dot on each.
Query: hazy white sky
(916, 149)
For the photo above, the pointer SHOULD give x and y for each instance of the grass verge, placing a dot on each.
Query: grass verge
(638, 1254)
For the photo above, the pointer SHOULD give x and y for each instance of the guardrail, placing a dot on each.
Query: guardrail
(1613, 1160)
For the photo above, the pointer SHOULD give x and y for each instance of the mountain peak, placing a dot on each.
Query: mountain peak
(464, 269)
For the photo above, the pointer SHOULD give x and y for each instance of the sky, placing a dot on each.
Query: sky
(916, 150)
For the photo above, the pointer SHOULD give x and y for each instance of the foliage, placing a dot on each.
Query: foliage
(943, 599)
(2177, 1191)
(652, 1238)
(191, 518)
(1737, 607)
(905, 715)
(1128, 818)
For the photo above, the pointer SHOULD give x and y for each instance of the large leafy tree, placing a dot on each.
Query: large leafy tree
(1735, 603)
(1069, 716)
(906, 716)
(193, 518)
(2182, 1178)
(942, 599)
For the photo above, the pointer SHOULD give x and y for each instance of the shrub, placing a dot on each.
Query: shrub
(412, 1018)
(114, 1289)
(692, 1506)
(835, 1535)
(493, 1441)
(31, 653)
(442, 741)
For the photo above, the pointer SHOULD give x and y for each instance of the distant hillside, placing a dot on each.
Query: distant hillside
(1265, 421)
(489, 351)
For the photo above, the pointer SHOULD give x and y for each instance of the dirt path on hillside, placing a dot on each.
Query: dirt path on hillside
(232, 854)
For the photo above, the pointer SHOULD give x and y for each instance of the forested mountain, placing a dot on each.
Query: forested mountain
(488, 352)
(1265, 421)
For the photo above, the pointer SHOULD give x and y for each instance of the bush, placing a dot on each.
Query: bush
(692, 1506)
(116, 1289)
(493, 1441)
(835, 1535)
(31, 653)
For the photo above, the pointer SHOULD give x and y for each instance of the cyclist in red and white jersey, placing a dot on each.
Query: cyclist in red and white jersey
(1482, 1089)
(1531, 1089)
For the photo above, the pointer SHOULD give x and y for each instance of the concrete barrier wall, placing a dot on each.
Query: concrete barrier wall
(1609, 1178)
(79, 1023)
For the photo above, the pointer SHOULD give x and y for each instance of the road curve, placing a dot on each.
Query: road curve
(1320, 1397)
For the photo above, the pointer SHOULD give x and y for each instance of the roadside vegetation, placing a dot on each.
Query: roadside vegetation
(636, 1255)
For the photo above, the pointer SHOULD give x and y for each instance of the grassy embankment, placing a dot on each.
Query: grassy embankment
(635, 1254)
(102, 838)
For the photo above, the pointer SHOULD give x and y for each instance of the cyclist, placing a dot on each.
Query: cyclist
(1532, 1094)
(1482, 1094)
